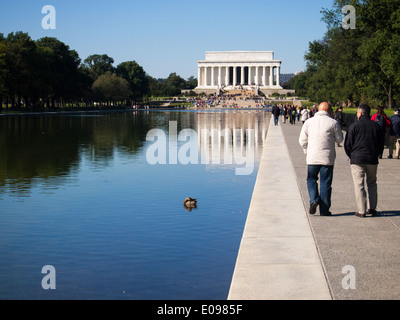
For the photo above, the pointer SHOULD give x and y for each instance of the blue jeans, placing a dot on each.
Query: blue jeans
(323, 197)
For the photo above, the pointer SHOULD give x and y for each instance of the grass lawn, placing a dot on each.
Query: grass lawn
(389, 112)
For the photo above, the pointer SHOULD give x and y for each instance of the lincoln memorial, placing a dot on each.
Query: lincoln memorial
(229, 70)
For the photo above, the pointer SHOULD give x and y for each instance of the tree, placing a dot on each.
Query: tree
(136, 77)
(59, 65)
(99, 64)
(19, 58)
(2, 69)
(173, 85)
(109, 87)
(361, 65)
(380, 21)
(191, 83)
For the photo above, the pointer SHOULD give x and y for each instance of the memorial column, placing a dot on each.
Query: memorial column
(234, 76)
(219, 76)
(278, 71)
(242, 75)
(271, 76)
(257, 76)
(249, 79)
(263, 77)
(198, 76)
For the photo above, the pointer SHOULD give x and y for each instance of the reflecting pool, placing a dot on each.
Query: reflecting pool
(83, 194)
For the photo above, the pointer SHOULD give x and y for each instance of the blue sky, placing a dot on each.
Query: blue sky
(166, 36)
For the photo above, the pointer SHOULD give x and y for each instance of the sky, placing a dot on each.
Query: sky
(165, 36)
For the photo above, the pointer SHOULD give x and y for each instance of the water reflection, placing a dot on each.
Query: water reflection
(50, 148)
(233, 138)
(113, 225)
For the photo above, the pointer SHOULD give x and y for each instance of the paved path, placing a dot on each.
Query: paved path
(278, 258)
(371, 246)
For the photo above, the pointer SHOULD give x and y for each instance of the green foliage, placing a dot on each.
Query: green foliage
(109, 87)
(2, 65)
(171, 86)
(134, 74)
(47, 73)
(59, 68)
(353, 66)
(99, 64)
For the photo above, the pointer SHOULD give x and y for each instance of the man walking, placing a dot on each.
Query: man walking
(318, 138)
(394, 134)
(276, 111)
(363, 145)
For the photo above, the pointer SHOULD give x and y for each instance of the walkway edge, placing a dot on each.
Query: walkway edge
(278, 258)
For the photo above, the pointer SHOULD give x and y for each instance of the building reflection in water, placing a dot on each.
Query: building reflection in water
(232, 138)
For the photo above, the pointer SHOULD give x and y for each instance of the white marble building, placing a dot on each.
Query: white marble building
(234, 69)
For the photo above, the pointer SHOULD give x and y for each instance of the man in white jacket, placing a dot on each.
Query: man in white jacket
(318, 139)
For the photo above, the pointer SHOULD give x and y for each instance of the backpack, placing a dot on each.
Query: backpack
(379, 121)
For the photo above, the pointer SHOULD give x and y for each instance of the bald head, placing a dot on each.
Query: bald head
(324, 106)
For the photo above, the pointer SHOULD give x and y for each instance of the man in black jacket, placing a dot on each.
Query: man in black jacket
(276, 111)
(363, 145)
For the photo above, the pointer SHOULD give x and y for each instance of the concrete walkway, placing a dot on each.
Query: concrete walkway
(288, 254)
(369, 245)
(278, 258)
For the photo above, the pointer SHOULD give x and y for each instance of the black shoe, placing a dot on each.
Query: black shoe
(313, 207)
(326, 214)
(390, 156)
(360, 215)
(372, 212)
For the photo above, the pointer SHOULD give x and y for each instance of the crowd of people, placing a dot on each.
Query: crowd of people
(292, 113)
(364, 143)
(229, 100)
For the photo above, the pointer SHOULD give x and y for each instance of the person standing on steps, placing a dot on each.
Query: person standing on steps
(318, 139)
(364, 144)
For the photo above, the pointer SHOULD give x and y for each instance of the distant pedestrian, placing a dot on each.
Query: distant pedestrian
(381, 119)
(394, 134)
(292, 115)
(285, 113)
(364, 145)
(305, 114)
(313, 111)
(276, 112)
(318, 138)
(339, 119)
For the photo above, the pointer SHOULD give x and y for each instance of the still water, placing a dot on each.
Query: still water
(77, 192)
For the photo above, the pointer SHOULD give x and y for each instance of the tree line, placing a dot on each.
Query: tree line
(352, 66)
(46, 73)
